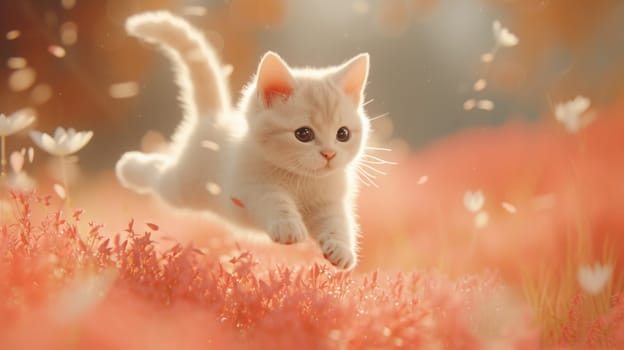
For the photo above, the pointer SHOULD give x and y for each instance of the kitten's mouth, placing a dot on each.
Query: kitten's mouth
(326, 169)
(322, 171)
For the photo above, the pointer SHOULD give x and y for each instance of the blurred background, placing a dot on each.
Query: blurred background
(72, 61)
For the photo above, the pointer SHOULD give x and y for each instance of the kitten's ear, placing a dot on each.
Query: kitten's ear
(352, 76)
(273, 79)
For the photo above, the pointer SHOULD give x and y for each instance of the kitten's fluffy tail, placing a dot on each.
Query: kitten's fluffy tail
(200, 75)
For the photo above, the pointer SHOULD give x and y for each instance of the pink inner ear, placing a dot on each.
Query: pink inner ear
(353, 90)
(274, 79)
(354, 82)
(354, 75)
(279, 91)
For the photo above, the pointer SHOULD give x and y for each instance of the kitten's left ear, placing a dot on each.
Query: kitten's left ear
(273, 79)
(352, 76)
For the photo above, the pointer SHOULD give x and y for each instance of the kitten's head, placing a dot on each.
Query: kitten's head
(309, 121)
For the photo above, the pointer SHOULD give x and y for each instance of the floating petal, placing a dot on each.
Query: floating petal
(474, 200)
(213, 188)
(503, 36)
(57, 51)
(593, 279)
(510, 208)
(13, 34)
(17, 162)
(60, 191)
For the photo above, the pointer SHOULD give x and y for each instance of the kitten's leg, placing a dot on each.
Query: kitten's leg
(334, 229)
(274, 210)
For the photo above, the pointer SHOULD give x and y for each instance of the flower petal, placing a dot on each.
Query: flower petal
(81, 139)
(22, 118)
(16, 121)
(44, 141)
(503, 36)
(36, 137)
(60, 135)
(593, 279)
(65, 142)
(31, 154)
(17, 162)
(571, 113)
(60, 191)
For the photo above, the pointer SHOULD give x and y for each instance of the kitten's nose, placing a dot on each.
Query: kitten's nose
(328, 154)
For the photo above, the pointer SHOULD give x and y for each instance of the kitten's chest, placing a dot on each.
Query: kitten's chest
(311, 194)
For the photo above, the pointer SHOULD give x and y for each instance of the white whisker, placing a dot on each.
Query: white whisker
(375, 162)
(363, 180)
(379, 116)
(363, 171)
(370, 159)
(372, 182)
(368, 182)
(367, 178)
(379, 149)
(372, 168)
(367, 102)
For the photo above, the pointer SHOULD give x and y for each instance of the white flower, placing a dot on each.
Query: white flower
(64, 142)
(510, 208)
(594, 278)
(503, 36)
(571, 113)
(16, 121)
(473, 201)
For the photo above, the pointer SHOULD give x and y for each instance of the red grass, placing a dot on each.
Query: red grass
(77, 288)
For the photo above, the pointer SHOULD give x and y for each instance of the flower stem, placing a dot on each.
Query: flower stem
(2, 178)
(4, 160)
(65, 183)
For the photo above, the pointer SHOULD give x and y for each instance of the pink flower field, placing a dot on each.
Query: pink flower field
(123, 271)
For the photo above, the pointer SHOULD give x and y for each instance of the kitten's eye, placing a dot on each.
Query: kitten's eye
(304, 134)
(343, 134)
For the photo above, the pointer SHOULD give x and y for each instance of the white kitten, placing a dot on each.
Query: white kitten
(284, 161)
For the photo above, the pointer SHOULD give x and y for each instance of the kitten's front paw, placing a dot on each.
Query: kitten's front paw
(287, 231)
(338, 253)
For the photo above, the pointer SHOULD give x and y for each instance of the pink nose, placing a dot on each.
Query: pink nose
(328, 154)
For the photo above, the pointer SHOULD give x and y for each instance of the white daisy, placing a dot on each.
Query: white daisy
(64, 142)
(16, 121)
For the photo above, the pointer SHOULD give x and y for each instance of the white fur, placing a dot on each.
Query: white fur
(286, 186)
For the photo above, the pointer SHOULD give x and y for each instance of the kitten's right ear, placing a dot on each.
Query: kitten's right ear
(353, 75)
(273, 79)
